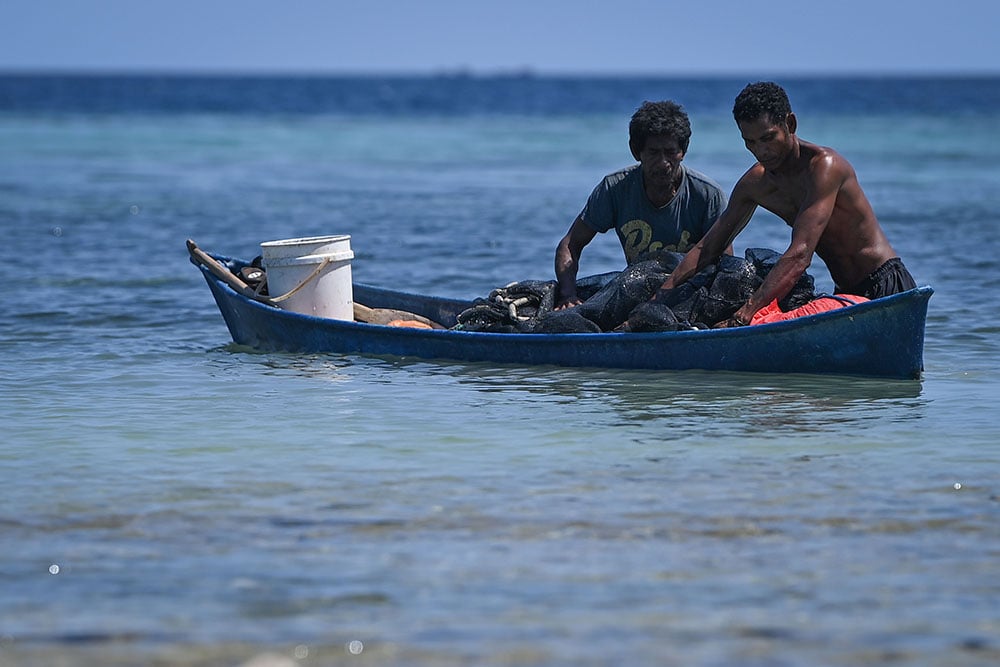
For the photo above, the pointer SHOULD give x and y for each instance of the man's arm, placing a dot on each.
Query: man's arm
(718, 239)
(807, 229)
(568, 261)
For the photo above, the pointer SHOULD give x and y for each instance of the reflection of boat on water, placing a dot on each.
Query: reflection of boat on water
(882, 338)
(705, 404)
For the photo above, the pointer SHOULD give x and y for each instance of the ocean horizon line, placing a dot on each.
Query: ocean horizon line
(487, 74)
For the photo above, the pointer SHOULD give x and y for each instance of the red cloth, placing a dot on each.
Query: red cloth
(772, 313)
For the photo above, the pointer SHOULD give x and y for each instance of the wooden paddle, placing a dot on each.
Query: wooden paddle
(362, 313)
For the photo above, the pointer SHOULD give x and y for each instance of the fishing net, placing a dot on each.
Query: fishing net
(610, 306)
(621, 300)
(525, 306)
(734, 281)
(563, 321)
(654, 316)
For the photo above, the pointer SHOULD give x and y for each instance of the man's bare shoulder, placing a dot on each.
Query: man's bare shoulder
(824, 158)
(753, 182)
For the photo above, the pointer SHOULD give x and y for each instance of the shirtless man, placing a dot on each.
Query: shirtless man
(815, 191)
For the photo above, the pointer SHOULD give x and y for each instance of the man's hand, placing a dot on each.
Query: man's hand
(563, 304)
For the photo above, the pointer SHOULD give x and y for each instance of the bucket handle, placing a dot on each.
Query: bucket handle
(305, 281)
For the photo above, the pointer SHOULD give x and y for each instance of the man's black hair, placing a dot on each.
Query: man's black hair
(654, 119)
(760, 100)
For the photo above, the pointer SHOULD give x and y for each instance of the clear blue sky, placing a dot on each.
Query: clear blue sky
(559, 36)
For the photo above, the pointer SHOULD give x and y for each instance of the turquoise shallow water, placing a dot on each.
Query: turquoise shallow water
(170, 498)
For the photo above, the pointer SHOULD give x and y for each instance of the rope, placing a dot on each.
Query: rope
(305, 281)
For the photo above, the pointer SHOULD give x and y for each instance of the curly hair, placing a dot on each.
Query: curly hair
(762, 99)
(654, 119)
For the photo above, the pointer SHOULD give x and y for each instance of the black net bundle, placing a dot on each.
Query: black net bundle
(526, 307)
(620, 300)
(636, 284)
(507, 309)
(710, 297)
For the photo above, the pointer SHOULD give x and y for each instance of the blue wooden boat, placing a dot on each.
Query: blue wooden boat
(883, 338)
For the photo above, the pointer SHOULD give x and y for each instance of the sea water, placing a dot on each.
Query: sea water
(171, 498)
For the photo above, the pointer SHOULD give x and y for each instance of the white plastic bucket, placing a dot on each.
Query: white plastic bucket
(311, 275)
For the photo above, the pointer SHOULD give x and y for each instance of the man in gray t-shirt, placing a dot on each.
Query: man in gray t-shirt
(658, 204)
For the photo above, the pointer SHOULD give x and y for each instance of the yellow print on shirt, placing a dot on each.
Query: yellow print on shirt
(637, 238)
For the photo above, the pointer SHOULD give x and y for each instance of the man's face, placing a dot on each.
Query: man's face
(769, 142)
(661, 161)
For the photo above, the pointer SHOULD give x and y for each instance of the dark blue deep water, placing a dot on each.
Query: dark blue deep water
(170, 498)
(459, 95)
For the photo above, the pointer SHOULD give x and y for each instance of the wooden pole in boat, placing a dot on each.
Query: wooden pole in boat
(222, 273)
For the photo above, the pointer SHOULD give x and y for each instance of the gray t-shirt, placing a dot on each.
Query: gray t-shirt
(619, 202)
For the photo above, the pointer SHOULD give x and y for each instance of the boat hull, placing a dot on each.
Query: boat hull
(883, 338)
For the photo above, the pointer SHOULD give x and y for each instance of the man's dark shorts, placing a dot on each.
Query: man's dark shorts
(890, 278)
